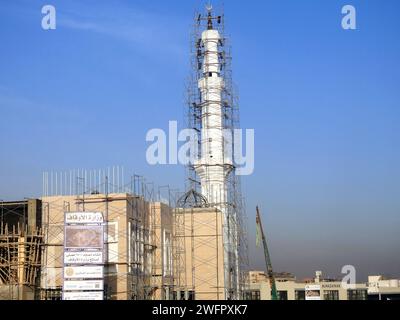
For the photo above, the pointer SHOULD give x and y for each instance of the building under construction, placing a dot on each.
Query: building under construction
(138, 263)
(21, 240)
(158, 244)
(217, 260)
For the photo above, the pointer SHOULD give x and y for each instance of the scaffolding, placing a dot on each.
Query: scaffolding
(20, 253)
(179, 250)
(235, 233)
(142, 265)
(139, 262)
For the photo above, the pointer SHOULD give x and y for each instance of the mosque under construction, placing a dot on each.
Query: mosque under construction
(106, 235)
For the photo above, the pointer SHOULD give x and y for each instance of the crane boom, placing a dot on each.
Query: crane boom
(270, 272)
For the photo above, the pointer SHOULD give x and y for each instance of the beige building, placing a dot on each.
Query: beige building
(290, 289)
(162, 274)
(138, 245)
(383, 288)
(199, 254)
(320, 289)
(154, 252)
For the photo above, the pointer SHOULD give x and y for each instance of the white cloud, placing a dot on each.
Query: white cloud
(146, 31)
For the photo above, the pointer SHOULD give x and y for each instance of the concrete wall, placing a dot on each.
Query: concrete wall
(16, 292)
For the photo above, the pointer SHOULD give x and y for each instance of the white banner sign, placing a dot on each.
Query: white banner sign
(86, 257)
(71, 285)
(313, 292)
(83, 272)
(83, 217)
(86, 296)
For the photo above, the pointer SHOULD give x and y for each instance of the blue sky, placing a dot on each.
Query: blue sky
(324, 103)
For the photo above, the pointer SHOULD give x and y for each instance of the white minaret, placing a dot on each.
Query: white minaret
(215, 164)
(213, 167)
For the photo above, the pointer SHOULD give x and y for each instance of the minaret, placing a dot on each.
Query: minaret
(215, 165)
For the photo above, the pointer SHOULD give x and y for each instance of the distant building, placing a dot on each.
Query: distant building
(319, 288)
(382, 288)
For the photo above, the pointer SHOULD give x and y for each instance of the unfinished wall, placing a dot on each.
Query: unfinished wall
(203, 253)
(26, 213)
(20, 254)
(17, 292)
(163, 263)
(128, 271)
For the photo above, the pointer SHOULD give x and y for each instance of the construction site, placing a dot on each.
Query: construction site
(90, 103)
(155, 243)
(153, 249)
(21, 245)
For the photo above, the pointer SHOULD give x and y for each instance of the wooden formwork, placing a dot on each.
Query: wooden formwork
(20, 253)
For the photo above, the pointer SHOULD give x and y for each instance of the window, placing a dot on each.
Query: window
(253, 295)
(178, 295)
(181, 295)
(52, 294)
(167, 263)
(357, 294)
(107, 291)
(300, 295)
(112, 241)
(147, 253)
(191, 295)
(282, 295)
(331, 295)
